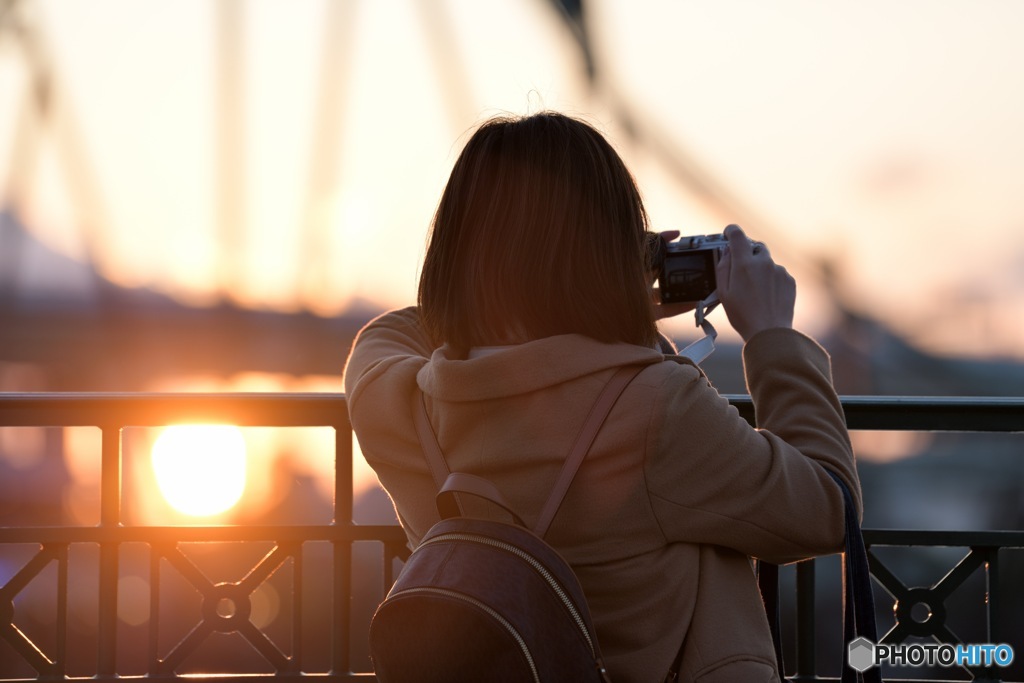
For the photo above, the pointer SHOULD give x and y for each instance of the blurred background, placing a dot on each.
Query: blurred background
(215, 196)
(207, 189)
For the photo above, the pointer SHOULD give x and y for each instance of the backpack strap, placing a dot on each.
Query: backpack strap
(460, 482)
(449, 483)
(428, 439)
(584, 439)
(859, 603)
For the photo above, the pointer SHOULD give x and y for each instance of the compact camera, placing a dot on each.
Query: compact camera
(686, 267)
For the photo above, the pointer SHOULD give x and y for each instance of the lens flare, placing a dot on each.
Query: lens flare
(200, 469)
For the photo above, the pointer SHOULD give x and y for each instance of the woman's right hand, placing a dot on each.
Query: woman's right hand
(756, 293)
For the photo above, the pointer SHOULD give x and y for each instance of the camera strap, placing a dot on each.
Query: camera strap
(702, 348)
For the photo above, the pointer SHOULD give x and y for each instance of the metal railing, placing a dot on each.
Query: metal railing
(224, 607)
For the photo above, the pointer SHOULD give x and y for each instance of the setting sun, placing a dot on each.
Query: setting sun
(200, 469)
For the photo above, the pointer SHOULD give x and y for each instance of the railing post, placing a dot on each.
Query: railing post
(806, 664)
(343, 504)
(993, 603)
(62, 611)
(110, 520)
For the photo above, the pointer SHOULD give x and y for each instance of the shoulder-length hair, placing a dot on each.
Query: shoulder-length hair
(540, 231)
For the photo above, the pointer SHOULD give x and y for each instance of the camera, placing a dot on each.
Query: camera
(686, 267)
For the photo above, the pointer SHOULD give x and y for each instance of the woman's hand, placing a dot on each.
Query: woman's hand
(757, 293)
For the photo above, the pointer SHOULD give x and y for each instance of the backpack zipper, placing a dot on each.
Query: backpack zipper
(541, 569)
(491, 612)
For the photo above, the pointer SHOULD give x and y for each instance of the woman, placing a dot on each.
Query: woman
(535, 289)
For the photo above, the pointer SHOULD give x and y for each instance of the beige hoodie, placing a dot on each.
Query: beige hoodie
(674, 497)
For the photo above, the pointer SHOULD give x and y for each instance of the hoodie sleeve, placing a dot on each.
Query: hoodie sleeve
(765, 492)
(390, 339)
(783, 385)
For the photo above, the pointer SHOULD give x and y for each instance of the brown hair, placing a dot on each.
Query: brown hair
(540, 231)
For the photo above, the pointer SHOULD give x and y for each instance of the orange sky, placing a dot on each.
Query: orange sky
(883, 135)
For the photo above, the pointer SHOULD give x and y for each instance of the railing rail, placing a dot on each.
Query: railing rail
(111, 413)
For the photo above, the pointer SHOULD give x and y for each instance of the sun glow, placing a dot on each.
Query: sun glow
(200, 469)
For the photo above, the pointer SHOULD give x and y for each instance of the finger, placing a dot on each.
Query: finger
(669, 235)
(734, 234)
(723, 271)
(739, 243)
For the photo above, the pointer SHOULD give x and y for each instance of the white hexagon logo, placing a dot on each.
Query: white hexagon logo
(861, 654)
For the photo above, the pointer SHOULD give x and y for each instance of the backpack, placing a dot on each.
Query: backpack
(482, 600)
